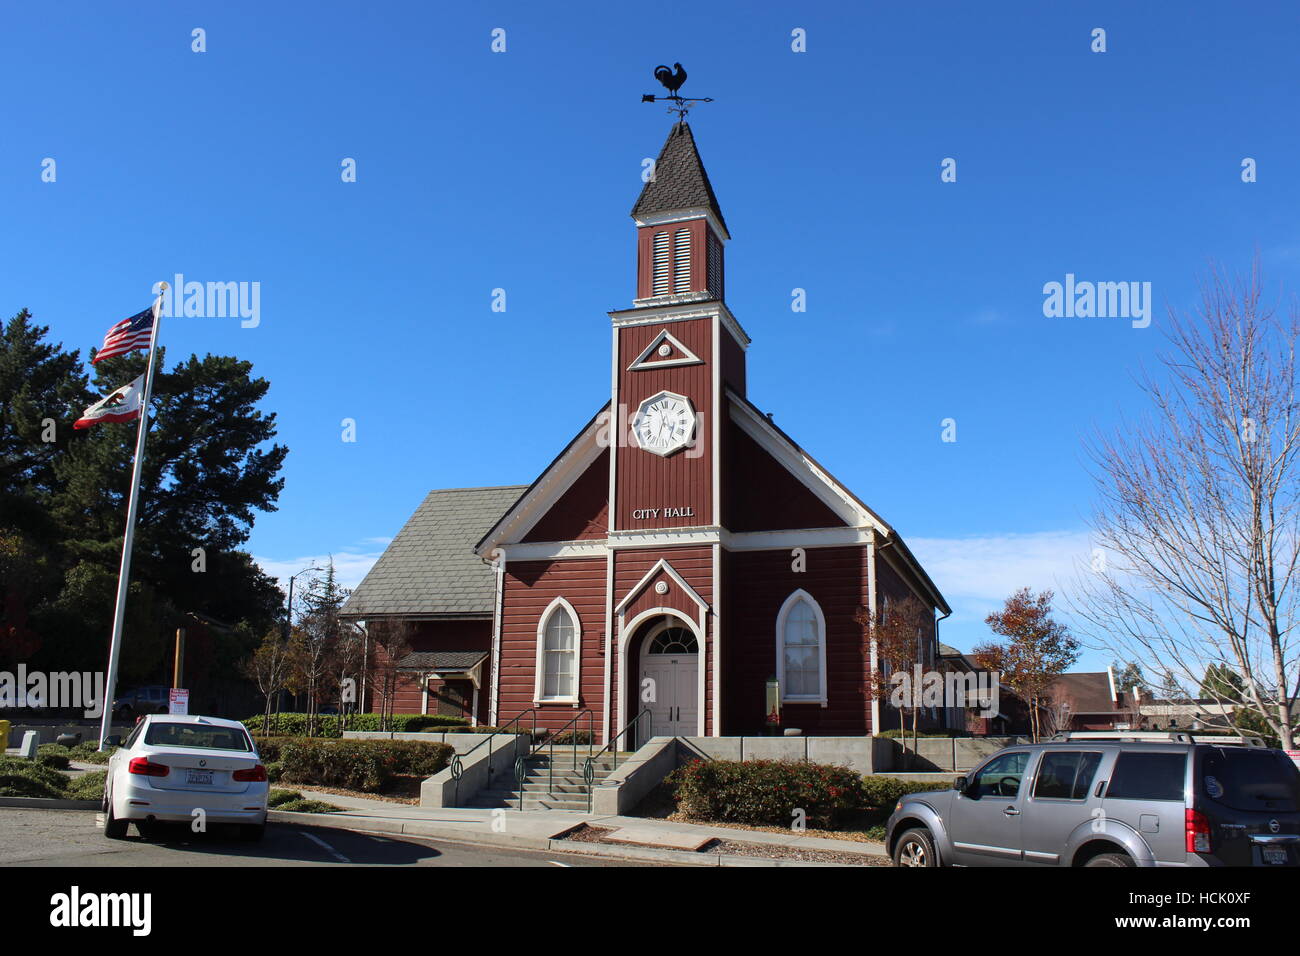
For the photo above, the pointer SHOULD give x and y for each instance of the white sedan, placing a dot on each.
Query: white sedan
(172, 767)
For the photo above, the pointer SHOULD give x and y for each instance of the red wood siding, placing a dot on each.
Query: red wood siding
(644, 265)
(682, 480)
(529, 588)
(732, 359)
(760, 494)
(695, 565)
(757, 583)
(582, 512)
(454, 635)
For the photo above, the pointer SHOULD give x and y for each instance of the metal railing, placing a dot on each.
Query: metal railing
(589, 768)
(549, 745)
(458, 767)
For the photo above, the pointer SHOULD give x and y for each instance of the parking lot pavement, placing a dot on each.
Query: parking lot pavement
(74, 838)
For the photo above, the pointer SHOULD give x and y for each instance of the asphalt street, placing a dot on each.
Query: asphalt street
(75, 838)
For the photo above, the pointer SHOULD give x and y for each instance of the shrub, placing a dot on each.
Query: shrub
(277, 797)
(54, 756)
(365, 765)
(883, 792)
(328, 725)
(308, 806)
(89, 786)
(766, 792)
(28, 778)
(88, 752)
(896, 734)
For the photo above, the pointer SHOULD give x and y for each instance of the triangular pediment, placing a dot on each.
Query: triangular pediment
(664, 351)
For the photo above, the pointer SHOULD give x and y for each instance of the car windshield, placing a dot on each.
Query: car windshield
(1251, 779)
(197, 736)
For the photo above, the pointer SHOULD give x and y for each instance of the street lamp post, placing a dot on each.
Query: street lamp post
(288, 614)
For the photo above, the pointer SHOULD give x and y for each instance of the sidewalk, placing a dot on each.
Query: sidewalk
(539, 829)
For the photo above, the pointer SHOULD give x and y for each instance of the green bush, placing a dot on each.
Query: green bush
(365, 765)
(766, 792)
(308, 806)
(89, 786)
(328, 725)
(896, 734)
(277, 797)
(883, 792)
(28, 778)
(53, 756)
(88, 752)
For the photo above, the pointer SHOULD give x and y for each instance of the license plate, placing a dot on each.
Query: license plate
(199, 776)
(1276, 855)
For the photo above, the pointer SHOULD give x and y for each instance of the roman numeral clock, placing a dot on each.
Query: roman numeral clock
(664, 423)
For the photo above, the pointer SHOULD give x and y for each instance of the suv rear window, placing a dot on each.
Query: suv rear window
(1066, 775)
(1249, 779)
(1148, 776)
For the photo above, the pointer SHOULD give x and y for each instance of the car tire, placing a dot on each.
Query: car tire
(252, 832)
(1111, 859)
(915, 848)
(114, 828)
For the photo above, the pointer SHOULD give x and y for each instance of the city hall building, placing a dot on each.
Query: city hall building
(676, 556)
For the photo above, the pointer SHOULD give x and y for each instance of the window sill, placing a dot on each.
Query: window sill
(568, 701)
(803, 700)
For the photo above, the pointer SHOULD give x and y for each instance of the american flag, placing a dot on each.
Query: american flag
(127, 336)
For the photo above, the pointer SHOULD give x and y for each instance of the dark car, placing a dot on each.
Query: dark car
(1109, 799)
(152, 699)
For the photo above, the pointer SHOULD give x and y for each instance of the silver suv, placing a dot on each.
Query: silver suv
(1109, 799)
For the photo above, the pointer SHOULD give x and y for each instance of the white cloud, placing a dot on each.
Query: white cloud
(991, 568)
(349, 566)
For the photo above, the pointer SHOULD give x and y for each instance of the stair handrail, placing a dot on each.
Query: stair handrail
(550, 742)
(457, 766)
(589, 769)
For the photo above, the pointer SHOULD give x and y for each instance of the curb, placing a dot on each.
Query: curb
(488, 838)
(48, 803)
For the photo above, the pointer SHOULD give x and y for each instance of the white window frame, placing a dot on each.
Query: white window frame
(539, 685)
(782, 615)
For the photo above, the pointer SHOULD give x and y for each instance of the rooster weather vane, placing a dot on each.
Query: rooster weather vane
(672, 80)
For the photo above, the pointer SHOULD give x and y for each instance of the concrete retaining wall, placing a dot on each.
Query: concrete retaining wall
(442, 790)
(48, 733)
(627, 786)
(947, 754)
(863, 754)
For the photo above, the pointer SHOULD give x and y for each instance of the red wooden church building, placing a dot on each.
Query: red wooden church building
(678, 554)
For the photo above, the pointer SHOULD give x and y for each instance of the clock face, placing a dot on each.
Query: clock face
(664, 423)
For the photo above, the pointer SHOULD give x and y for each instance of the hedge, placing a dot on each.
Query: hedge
(365, 765)
(327, 725)
(883, 792)
(766, 792)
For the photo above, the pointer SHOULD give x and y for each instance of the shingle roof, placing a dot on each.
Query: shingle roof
(430, 568)
(680, 181)
(440, 660)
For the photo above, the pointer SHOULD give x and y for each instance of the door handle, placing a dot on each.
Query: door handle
(1011, 812)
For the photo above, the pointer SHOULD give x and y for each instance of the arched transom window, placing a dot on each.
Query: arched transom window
(673, 640)
(801, 649)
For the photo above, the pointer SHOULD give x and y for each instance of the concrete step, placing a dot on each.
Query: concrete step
(490, 799)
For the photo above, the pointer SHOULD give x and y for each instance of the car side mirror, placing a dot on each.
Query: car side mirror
(114, 740)
(960, 784)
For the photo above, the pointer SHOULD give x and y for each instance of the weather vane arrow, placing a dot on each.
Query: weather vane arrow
(672, 80)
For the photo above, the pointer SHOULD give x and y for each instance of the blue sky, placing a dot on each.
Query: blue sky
(479, 170)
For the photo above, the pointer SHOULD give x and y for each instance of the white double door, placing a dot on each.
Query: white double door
(670, 691)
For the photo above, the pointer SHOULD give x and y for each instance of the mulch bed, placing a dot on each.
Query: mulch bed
(404, 788)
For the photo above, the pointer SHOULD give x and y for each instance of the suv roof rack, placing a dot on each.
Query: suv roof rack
(1159, 736)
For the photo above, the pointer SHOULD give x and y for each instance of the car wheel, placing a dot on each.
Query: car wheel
(252, 832)
(114, 828)
(1110, 859)
(915, 848)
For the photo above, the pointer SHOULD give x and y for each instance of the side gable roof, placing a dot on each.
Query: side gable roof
(528, 508)
(430, 568)
(831, 491)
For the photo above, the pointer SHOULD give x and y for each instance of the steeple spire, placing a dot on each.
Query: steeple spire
(679, 182)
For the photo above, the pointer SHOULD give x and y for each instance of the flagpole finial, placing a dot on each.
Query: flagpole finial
(163, 287)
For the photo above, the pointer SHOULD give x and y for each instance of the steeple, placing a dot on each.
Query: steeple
(680, 231)
(679, 182)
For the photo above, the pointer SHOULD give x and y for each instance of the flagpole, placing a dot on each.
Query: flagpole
(128, 539)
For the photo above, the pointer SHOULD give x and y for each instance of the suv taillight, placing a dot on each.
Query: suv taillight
(142, 766)
(1198, 832)
(255, 775)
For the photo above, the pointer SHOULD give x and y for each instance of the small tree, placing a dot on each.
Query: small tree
(899, 633)
(268, 668)
(320, 627)
(1038, 649)
(392, 640)
(345, 664)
